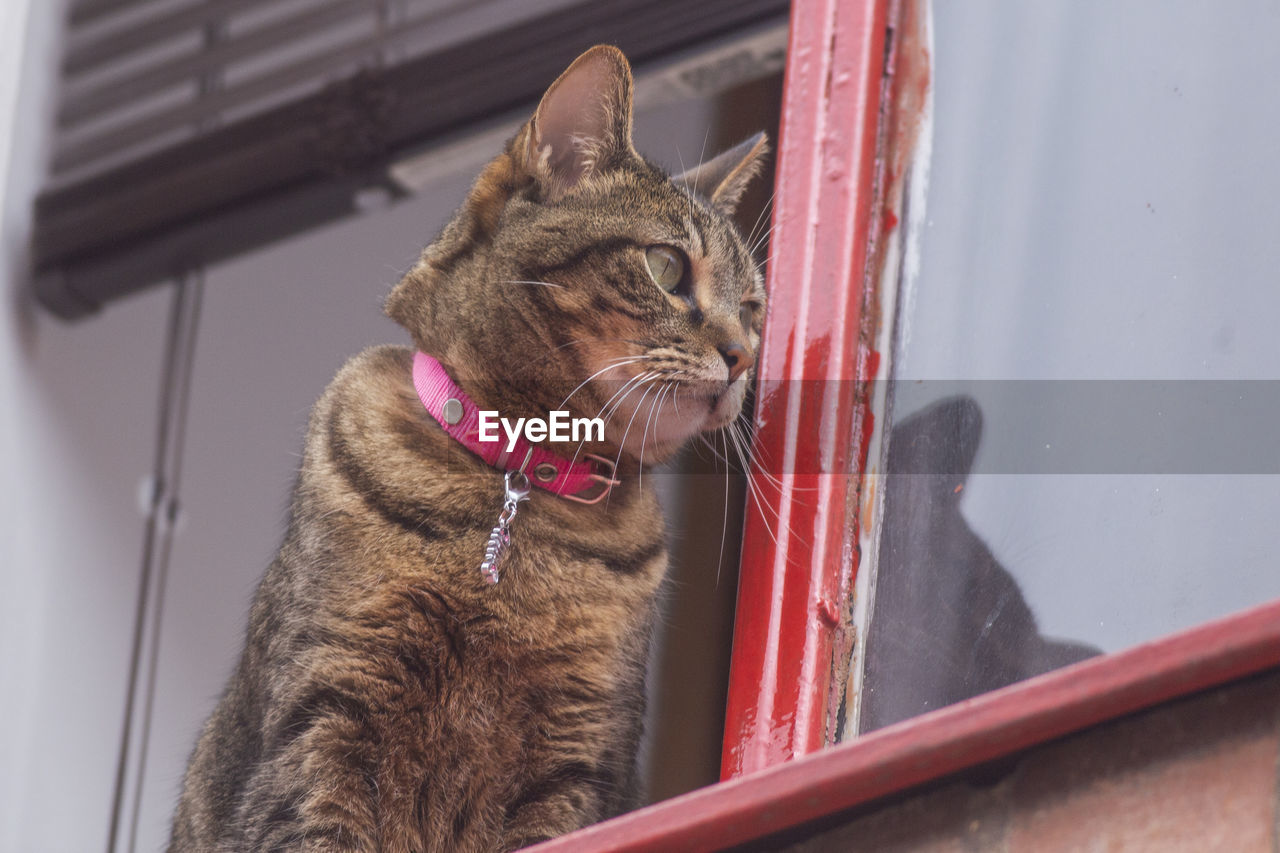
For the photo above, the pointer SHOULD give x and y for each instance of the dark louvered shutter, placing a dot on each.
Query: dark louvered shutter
(188, 131)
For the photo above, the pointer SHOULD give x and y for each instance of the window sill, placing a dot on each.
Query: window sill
(978, 730)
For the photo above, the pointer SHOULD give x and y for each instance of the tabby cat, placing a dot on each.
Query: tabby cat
(389, 696)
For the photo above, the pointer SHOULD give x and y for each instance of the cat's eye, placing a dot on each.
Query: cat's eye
(666, 267)
(746, 314)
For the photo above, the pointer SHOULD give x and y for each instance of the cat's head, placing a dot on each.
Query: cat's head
(579, 276)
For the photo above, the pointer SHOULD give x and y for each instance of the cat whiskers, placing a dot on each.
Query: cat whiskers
(760, 241)
(644, 439)
(623, 443)
(607, 411)
(730, 436)
(754, 240)
(683, 169)
(613, 363)
(605, 415)
(632, 382)
(668, 389)
(756, 493)
(674, 377)
(753, 451)
(761, 455)
(728, 468)
(754, 487)
(724, 526)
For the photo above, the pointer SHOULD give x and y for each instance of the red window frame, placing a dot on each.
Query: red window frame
(828, 215)
(811, 426)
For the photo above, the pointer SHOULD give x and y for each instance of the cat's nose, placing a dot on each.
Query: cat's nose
(737, 357)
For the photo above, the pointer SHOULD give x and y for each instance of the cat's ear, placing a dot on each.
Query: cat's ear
(724, 178)
(583, 123)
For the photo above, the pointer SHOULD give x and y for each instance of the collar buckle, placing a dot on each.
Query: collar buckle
(606, 481)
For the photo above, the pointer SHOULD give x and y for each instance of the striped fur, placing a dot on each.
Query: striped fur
(387, 697)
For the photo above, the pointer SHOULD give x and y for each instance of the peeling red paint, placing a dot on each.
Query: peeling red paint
(847, 132)
(829, 612)
(903, 101)
(871, 366)
(812, 355)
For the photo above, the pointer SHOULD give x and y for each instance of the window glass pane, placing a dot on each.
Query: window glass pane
(1083, 450)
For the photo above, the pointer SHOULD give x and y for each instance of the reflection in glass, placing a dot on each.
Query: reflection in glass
(1101, 205)
(950, 621)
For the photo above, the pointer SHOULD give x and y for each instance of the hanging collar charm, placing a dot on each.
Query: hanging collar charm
(517, 490)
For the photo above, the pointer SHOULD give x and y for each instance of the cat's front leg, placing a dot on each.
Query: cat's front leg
(317, 795)
(325, 819)
(567, 798)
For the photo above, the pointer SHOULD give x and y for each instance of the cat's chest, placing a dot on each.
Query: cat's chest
(605, 559)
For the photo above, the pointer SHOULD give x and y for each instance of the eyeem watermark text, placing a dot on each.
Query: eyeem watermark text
(558, 426)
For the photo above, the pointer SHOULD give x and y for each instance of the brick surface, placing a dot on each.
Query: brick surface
(1197, 775)
(952, 819)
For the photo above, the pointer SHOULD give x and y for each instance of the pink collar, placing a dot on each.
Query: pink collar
(459, 416)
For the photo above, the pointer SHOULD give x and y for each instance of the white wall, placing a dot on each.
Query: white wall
(75, 434)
